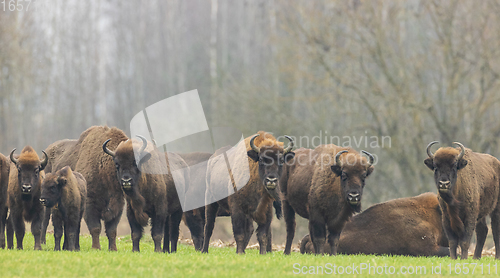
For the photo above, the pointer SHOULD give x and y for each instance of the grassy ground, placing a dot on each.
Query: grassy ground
(220, 262)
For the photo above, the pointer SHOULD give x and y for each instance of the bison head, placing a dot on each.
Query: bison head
(271, 158)
(28, 169)
(127, 169)
(352, 170)
(52, 186)
(445, 164)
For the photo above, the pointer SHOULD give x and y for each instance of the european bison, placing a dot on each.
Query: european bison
(253, 202)
(468, 185)
(406, 226)
(54, 151)
(150, 191)
(4, 184)
(195, 219)
(25, 179)
(104, 194)
(65, 192)
(324, 185)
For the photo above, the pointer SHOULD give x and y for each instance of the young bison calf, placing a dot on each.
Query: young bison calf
(65, 192)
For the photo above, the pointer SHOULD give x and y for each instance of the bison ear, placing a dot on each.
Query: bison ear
(337, 169)
(62, 181)
(289, 156)
(144, 159)
(369, 170)
(429, 162)
(461, 163)
(253, 155)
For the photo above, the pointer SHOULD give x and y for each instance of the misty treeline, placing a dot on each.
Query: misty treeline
(416, 71)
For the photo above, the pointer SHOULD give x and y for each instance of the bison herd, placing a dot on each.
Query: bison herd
(95, 176)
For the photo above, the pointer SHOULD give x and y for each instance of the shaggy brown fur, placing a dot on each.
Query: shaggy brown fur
(150, 192)
(406, 226)
(471, 193)
(55, 151)
(104, 195)
(4, 184)
(252, 202)
(65, 192)
(312, 189)
(24, 197)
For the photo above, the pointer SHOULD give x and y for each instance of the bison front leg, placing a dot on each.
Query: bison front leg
(210, 215)
(58, 231)
(263, 232)
(93, 221)
(10, 233)
(136, 229)
(495, 229)
(175, 221)
(317, 232)
(36, 229)
(157, 226)
(239, 223)
(3, 219)
(452, 237)
(481, 233)
(470, 225)
(289, 214)
(45, 224)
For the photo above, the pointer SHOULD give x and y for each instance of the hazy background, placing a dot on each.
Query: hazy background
(416, 71)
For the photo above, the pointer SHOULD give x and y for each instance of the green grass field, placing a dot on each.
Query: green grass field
(220, 262)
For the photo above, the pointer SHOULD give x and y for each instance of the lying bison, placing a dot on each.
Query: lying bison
(253, 202)
(468, 185)
(65, 192)
(324, 185)
(150, 191)
(26, 174)
(104, 194)
(406, 226)
(4, 184)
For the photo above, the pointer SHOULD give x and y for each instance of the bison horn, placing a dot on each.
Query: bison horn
(106, 150)
(144, 144)
(290, 146)
(370, 156)
(429, 153)
(12, 157)
(45, 160)
(462, 152)
(337, 157)
(252, 145)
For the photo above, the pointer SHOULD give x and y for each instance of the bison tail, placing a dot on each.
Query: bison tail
(278, 209)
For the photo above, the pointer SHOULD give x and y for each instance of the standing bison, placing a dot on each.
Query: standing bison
(468, 185)
(150, 191)
(25, 181)
(104, 194)
(324, 185)
(253, 202)
(407, 226)
(4, 184)
(65, 192)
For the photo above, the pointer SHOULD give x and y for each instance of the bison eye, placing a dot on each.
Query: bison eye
(344, 176)
(53, 189)
(117, 166)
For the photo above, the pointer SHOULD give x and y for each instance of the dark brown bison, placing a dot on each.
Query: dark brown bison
(25, 179)
(150, 191)
(324, 185)
(104, 194)
(195, 219)
(54, 151)
(64, 192)
(406, 226)
(4, 184)
(468, 185)
(254, 191)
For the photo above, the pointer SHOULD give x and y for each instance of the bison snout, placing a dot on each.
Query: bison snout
(26, 188)
(354, 198)
(43, 201)
(127, 183)
(444, 185)
(271, 183)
